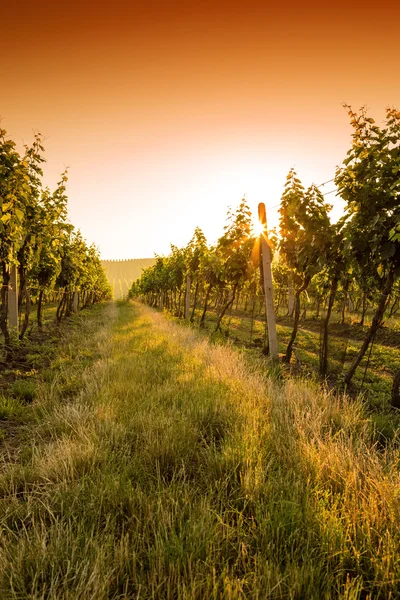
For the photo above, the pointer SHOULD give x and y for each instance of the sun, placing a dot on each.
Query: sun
(258, 227)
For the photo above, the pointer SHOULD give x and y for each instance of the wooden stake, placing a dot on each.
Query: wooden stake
(187, 297)
(268, 289)
(75, 302)
(12, 303)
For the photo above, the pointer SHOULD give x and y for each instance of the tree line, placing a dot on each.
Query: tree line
(48, 257)
(358, 257)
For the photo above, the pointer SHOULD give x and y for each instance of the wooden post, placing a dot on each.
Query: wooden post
(268, 289)
(12, 303)
(187, 297)
(75, 302)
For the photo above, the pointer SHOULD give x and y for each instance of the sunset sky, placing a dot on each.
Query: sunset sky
(169, 112)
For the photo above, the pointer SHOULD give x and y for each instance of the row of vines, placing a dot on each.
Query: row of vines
(41, 254)
(351, 264)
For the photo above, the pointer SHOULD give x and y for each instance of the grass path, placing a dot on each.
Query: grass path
(155, 465)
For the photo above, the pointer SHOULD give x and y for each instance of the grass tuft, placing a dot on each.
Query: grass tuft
(10, 408)
(24, 389)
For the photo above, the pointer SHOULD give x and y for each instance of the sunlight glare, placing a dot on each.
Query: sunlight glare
(258, 227)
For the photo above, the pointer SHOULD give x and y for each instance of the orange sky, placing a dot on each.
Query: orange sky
(168, 112)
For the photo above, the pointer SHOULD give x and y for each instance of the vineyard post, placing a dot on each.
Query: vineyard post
(268, 289)
(75, 302)
(187, 297)
(12, 303)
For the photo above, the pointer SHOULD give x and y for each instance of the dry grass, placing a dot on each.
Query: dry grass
(169, 468)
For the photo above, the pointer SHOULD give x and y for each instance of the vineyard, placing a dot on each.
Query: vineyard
(343, 276)
(162, 447)
(45, 262)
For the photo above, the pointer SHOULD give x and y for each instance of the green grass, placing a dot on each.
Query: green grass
(157, 465)
(10, 409)
(344, 342)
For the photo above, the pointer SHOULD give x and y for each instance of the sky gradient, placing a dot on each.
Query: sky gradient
(169, 112)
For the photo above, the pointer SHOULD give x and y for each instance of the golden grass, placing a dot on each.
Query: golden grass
(177, 470)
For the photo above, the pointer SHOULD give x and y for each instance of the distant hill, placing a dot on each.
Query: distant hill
(122, 273)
